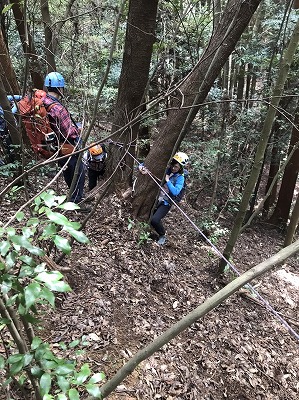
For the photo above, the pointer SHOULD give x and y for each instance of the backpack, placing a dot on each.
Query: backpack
(35, 118)
(180, 196)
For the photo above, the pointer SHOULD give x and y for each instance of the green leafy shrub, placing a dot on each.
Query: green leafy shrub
(27, 289)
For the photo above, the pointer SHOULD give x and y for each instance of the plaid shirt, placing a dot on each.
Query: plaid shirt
(60, 119)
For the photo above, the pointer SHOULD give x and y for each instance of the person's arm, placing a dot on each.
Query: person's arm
(63, 122)
(177, 187)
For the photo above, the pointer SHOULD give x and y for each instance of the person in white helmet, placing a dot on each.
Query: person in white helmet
(174, 184)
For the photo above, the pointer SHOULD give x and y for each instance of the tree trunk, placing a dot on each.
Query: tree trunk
(28, 46)
(260, 152)
(293, 224)
(9, 80)
(188, 97)
(282, 209)
(50, 57)
(140, 37)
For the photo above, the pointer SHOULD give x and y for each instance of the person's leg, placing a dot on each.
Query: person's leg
(92, 178)
(156, 222)
(68, 174)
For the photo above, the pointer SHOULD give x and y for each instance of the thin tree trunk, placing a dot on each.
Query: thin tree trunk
(293, 224)
(189, 96)
(10, 82)
(50, 56)
(28, 46)
(282, 209)
(260, 152)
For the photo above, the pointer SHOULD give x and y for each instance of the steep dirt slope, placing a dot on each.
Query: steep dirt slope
(125, 294)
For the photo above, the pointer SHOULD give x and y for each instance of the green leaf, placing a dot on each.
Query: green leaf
(16, 368)
(62, 244)
(4, 247)
(74, 343)
(27, 359)
(57, 218)
(49, 230)
(45, 383)
(73, 394)
(48, 397)
(33, 221)
(78, 235)
(69, 206)
(48, 295)
(20, 240)
(61, 396)
(94, 390)
(14, 358)
(64, 369)
(2, 362)
(20, 216)
(28, 260)
(63, 383)
(10, 259)
(31, 293)
(28, 232)
(7, 8)
(82, 375)
(49, 199)
(36, 342)
(100, 376)
(52, 276)
(36, 371)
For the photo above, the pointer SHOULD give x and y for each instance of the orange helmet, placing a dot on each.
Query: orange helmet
(96, 150)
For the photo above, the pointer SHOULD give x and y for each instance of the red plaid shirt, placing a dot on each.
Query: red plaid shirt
(60, 119)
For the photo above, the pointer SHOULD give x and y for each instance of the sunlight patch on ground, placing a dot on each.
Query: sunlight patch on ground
(288, 277)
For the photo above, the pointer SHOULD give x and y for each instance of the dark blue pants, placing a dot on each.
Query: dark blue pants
(68, 174)
(156, 220)
(93, 177)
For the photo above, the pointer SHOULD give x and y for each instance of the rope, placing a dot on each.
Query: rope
(231, 266)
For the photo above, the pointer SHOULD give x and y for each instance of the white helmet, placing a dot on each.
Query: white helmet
(181, 158)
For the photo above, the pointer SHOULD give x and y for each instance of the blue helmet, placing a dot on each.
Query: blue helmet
(54, 80)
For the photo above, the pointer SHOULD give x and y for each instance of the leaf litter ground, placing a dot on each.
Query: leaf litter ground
(124, 295)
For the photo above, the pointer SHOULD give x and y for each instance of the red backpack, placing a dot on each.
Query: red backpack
(35, 118)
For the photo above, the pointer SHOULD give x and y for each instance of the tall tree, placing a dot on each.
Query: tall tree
(10, 82)
(50, 56)
(140, 37)
(260, 151)
(188, 97)
(28, 44)
(282, 209)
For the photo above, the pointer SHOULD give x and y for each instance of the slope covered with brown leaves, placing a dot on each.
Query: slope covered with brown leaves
(125, 294)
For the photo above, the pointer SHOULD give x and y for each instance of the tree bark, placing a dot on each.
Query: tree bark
(10, 82)
(188, 97)
(50, 56)
(28, 46)
(261, 148)
(282, 209)
(140, 37)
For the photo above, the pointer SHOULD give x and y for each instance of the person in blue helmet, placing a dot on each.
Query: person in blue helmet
(67, 132)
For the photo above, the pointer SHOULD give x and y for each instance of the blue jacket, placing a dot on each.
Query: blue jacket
(174, 185)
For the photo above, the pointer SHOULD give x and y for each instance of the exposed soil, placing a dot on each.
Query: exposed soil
(125, 294)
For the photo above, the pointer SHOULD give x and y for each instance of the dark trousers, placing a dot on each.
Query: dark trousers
(156, 220)
(68, 174)
(93, 177)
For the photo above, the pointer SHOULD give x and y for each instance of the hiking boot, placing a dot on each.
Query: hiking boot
(162, 239)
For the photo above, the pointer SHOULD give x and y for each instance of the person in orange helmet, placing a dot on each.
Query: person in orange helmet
(96, 163)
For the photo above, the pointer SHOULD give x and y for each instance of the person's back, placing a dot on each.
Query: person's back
(67, 133)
